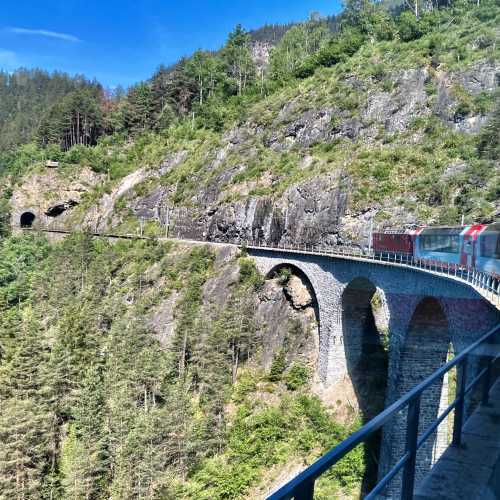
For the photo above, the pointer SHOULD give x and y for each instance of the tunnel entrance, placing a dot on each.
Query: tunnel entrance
(27, 219)
(364, 328)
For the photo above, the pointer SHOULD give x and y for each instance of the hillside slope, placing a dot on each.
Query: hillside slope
(395, 133)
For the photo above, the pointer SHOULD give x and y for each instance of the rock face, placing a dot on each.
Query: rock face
(298, 293)
(316, 210)
(288, 326)
(284, 313)
(51, 196)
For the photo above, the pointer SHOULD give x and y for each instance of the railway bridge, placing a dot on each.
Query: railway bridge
(430, 314)
(432, 311)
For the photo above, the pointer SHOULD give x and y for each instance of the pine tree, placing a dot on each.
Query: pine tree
(25, 431)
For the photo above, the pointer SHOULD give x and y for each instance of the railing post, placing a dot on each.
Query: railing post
(487, 376)
(412, 420)
(460, 408)
(304, 491)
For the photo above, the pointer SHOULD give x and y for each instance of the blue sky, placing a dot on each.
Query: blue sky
(123, 41)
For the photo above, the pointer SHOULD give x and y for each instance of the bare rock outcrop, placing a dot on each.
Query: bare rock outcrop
(50, 195)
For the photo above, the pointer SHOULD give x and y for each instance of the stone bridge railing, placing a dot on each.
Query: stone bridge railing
(487, 285)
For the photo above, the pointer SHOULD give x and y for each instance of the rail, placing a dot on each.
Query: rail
(302, 486)
(487, 285)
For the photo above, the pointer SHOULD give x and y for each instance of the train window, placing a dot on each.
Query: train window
(490, 245)
(445, 243)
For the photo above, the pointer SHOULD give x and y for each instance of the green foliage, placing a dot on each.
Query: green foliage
(489, 140)
(76, 119)
(249, 274)
(298, 43)
(296, 376)
(278, 366)
(26, 95)
(284, 275)
(336, 50)
(265, 436)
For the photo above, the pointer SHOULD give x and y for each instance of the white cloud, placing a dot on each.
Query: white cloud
(47, 33)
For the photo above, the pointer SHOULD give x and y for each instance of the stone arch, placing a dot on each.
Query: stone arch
(297, 271)
(367, 358)
(27, 219)
(425, 349)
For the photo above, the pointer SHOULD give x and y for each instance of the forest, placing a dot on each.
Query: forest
(93, 406)
(210, 89)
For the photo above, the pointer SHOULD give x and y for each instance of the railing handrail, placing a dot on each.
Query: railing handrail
(328, 460)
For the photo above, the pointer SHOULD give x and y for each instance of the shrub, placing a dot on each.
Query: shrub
(249, 274)
(409, 27)
(296, 377)
(284, 275)
(278, 366)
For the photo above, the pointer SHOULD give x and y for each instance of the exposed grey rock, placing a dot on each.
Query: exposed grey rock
(150, 206)
(298, 293)
(311, 127)
(172, 161)
(275, 312)
(483, 76)
(470, 124)
(162, 319)
(215, 290)
(397, 109)
(453, 169)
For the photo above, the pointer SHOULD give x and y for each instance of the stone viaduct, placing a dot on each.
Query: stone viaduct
(427, 317)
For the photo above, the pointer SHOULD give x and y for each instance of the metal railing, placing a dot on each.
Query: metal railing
(486, 284)
(302, 486)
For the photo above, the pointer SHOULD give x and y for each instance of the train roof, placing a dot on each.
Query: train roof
(492, 228)
(446, 230)
(443, 230)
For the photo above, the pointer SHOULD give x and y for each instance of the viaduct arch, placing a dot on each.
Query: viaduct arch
(426, 316)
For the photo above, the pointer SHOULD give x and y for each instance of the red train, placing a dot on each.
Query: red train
(476, 246)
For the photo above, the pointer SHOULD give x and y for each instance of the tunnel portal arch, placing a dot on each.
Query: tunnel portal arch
(27, 219)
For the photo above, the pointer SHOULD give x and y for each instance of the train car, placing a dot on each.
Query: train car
(469, 245)
(394, 241)
(476, 246)
(441, 244)
(488, 250)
